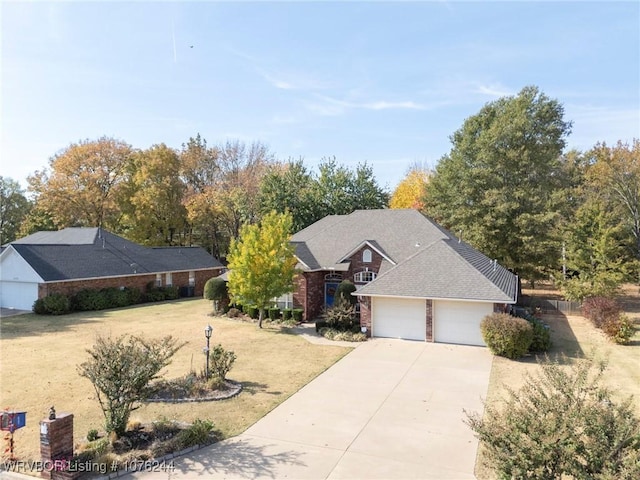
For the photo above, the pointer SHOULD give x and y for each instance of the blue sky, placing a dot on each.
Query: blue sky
(381, 82)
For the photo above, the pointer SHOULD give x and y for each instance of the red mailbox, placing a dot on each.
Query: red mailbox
(12, 420)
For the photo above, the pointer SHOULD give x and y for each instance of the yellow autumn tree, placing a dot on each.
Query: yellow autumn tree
(262, 262)
(409, 192)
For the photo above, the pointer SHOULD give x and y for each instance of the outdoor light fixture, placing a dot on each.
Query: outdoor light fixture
(207, 333)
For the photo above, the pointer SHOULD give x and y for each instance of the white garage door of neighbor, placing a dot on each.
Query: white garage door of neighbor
(459, 322)
(18, 295)
(399, 318)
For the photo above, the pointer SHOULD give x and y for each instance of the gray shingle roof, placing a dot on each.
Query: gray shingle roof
(77, 253)
(430, 262)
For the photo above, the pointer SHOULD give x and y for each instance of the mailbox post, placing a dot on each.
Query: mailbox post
(10, 421)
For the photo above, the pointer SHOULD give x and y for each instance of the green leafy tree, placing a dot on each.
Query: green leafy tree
(561, 424)
(289, 188)
(14, 208)
(496, 188)
(614, 174)
(594, 252)
(262, 262)
(121, 370)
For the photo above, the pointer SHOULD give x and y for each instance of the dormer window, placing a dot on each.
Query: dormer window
(364, 277)
(366, 256)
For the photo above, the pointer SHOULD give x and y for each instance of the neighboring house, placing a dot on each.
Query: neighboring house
(74, 259)
(415, 279)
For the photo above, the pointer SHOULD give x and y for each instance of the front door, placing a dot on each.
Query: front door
(330, 293)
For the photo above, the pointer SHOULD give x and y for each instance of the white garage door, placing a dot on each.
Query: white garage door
(459, 322)
(399, 318)
(18, 295)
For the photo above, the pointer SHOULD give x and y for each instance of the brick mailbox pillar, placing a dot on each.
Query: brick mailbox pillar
(56, 445)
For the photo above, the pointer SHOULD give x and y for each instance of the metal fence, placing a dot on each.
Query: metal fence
(548, 305)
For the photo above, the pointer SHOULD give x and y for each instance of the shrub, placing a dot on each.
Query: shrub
(342, 316)
(506, 336)
(600, 310)
(38, 307)
(121, 371)
(252, 311)
(171, 293)
(56, 304)
(92, 435)
(274, 313)
(541, 336)
(298, 314)
(333, 334)
(343, 292)
(321, 324)
(216, 290)
(87, 300)
(619, 329)
(134, 295)
(115, 297)
(196, 434)
(561, 424)
(221, 361)
(233, 313)
(287, 314)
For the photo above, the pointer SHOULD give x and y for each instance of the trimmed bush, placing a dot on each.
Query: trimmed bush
(233, 313)
(115, 297)
(216, 290)
(134, 295)
(86, 300)
(506, 336)
(541, 336)
(287, 314)
(38, 307)
(343, 292)
(601, 310)
(171, 293)
(274, 313)
(298, 314)
(197, 434)
(56, 304)
(252, 311)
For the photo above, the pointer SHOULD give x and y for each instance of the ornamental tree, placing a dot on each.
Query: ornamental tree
(262, 262)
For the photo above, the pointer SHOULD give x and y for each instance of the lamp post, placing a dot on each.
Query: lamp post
(207, 333)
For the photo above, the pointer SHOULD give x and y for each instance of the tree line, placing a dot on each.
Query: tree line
(198, 195)
(508, 186)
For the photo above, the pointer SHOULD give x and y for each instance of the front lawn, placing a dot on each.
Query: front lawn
(39, 356)
(575, 336)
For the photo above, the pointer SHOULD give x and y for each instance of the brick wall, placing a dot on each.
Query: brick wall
(429, 320)
(365, 314)
(178, 279)
(357, 265)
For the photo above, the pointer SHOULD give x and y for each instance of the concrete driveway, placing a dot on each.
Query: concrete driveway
(391, 409)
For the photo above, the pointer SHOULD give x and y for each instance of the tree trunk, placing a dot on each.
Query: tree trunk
(261, 310)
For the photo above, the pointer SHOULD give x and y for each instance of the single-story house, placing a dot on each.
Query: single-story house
(74, 259)
(415, 280)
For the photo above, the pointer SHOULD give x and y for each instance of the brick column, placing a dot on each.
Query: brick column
(429, 320)
(56, 446)
(365, 314)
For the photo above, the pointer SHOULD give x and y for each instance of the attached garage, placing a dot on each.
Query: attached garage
(18, 295)
(459, 321)
(399, 318)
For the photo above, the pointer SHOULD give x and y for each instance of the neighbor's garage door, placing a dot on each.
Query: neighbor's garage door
(399, 318)
(459, 322)
(18, 295)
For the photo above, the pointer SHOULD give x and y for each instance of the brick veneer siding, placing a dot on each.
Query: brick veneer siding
(178, 279)
(309, 293)
(357, 265)
(365, 314)
(429, 320)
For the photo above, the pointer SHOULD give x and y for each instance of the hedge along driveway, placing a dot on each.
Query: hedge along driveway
(39, 356)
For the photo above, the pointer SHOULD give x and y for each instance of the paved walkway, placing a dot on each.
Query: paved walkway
(389, 409)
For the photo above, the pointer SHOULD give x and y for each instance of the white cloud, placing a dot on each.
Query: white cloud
(331, 106)
(494, 90)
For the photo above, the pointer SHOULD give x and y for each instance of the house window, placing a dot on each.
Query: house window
(285, 301)
(364, 277)
(158, 279)
(366, 256)
(333, 277)
(192, 279)
(169, 280)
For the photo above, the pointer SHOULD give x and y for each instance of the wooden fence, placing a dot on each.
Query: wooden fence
(548, 305)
